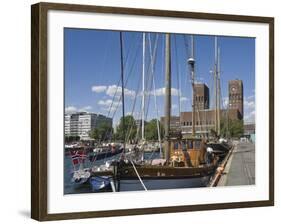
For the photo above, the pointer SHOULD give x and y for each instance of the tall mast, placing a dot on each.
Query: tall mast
(215, 87)
(219, 91)
(152, 56)
(143, 87)
(167, 96)
(122, 83)
(191, 62)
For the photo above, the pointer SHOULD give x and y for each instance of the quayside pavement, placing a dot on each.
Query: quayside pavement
(240, 168)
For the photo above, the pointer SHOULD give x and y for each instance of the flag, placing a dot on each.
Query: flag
(77, 157)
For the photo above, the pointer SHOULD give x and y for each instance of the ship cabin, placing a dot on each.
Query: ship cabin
(189, 152)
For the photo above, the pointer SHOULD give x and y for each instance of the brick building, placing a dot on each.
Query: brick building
(204, 120)
(235, 96)
(202, 96)
(204, 116)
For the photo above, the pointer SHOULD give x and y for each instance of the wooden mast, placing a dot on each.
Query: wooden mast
(215, 87)
(122, 83)
(143, 88)
(167, 97)
(219, 92)
(191, 63)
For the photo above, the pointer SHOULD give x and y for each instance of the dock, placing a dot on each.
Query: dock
(240, 166)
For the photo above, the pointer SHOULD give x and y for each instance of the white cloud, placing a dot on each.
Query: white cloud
(70, 109)
(250, 117)
(249, 108)
(113, 90)
(108, 104)
(225, 102)
(85, 109)
(250, 97)
(174, 106)
(249, 104)
(183, 98)
(99, 89)
(161, 92)
(73, 109)
(117, 91)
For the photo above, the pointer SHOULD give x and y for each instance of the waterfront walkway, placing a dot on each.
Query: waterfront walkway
(240, 168)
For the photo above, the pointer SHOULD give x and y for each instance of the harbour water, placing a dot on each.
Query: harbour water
(70, 188)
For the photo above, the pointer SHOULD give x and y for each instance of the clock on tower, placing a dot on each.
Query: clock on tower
(236, 96)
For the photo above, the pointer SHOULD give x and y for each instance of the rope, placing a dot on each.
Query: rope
(144, 187)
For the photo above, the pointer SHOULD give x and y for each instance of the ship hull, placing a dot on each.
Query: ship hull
(160, 184)
(163, 177)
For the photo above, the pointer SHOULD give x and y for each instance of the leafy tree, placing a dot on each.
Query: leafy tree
(232, 128)
(130, 128)
(102, 132)
(151, 132)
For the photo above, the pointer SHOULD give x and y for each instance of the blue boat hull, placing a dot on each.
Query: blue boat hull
(100, 183)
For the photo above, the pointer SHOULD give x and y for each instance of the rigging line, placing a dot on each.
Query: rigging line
(148, 83)
(154, 91)
(107, 53)
(150, 71)
(135, 94)
(178, 74)
(199, 118)
(139, 124)
(125, 66)
(144, 187)
(116, 90)
(129, 50)
(126, 82)
(133, 108)
(187, 80)
(151, 74)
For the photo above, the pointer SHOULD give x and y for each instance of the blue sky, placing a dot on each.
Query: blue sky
(92, 71)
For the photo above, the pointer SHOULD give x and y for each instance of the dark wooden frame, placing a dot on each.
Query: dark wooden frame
(39, 110)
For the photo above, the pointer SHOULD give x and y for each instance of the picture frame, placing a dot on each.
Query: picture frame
(40, 82)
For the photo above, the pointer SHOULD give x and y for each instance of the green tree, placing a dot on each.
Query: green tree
(102, 132)
(232, 128)
(129, 126)
(151, 132)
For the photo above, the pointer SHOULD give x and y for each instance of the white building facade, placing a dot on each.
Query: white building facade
(80, 124)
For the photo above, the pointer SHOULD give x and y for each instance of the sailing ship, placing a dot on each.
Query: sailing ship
(187, 163)
(219, 145)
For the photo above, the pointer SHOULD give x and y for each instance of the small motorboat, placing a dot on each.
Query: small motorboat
(100, 183)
